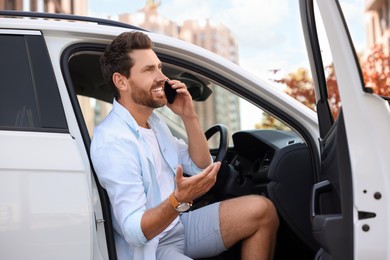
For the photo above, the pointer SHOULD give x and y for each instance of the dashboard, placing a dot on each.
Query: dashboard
(253, 155)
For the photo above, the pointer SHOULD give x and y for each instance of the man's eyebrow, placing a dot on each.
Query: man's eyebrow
(148, 67)
(153, 66)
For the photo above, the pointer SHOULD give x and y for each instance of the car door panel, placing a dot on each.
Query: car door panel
(351, 172)
(44, 203)
(45, 197)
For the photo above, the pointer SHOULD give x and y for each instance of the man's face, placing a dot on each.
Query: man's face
(147, 80)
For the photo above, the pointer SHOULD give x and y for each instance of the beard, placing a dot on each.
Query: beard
(145, 97)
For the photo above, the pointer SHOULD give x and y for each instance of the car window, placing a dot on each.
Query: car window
(17, 110)
(94, 111)
(373, 61)
(29, 97)
(221, 107)
(213, 102)
(227, 108)
(370, 37)
(328, 67)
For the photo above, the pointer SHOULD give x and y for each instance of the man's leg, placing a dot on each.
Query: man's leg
(203, 232)
(171, 245)
(252, 219)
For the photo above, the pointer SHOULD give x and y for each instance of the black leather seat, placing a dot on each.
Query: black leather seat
(291, 180)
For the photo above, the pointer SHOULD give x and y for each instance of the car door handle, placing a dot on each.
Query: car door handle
(318, 189)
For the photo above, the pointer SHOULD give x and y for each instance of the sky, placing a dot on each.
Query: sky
(267, 32)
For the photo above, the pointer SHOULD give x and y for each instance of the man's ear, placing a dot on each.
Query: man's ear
(119, 81)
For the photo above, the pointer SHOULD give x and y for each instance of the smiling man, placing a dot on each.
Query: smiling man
(140, 164)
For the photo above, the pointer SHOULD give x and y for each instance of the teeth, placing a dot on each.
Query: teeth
(157, 89)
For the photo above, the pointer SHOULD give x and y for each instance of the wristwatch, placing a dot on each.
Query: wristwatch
(179, 206)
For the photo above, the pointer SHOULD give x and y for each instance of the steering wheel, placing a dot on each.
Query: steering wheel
(223, 140)
(213, 194)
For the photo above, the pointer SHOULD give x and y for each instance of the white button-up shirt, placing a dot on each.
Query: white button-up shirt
(124, 166)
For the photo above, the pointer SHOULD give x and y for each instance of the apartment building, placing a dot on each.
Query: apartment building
(78, 7)
(217, 38)
(378, 23)
(214, 37)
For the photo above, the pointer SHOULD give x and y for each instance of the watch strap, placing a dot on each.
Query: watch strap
(175, 204)
(173, 201)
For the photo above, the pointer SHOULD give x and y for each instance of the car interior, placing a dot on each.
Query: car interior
(273, 162)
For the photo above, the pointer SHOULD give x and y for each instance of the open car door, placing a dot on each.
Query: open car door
(350, 213)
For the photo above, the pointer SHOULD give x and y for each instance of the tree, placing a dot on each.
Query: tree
(376, 71)
(333, 90)
(270, 122)
(299, 84)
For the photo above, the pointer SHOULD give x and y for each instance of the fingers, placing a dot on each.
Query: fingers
(190, 188)
(211, 171)
(211, 174)
(178, 85)
(179, 174)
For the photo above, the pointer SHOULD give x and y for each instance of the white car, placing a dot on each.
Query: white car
(328, 177)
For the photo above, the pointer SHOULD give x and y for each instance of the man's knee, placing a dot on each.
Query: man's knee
(263, 210)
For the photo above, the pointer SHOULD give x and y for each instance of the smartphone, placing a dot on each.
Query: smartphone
(170, 93)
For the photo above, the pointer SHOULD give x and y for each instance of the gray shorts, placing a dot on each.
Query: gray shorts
(197, 235)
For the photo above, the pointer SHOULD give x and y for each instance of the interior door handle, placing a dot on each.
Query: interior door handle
(318, 189)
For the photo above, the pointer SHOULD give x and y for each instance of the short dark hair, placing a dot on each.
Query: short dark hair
(116, 57)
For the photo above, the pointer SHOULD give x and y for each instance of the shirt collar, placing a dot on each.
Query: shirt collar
(125, 115)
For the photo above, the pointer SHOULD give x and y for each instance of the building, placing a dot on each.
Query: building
(223, 107)
(149, 18)
(50, 6)
(378, 23)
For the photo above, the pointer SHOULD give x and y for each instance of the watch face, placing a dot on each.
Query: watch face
(183, 207)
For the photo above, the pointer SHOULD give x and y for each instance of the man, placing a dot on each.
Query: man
(141, 164)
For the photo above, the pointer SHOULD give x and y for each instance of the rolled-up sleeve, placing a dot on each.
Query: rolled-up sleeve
(117, 164)
(132, 230)
(189, 166)
(120, 159)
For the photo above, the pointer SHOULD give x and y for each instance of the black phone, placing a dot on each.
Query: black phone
(170, 93)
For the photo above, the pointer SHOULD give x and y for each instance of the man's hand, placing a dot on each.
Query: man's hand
(190, 188)
(183, 105)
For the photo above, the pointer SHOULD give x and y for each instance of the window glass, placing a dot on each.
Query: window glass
(214, 103)
(29, 94)
(237, 114)
(327, 62)
(18, 108)
(369, 27)
(94, 111)
(224, 107)
(372, 48)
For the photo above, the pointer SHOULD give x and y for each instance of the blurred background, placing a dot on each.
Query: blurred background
(262, 36)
